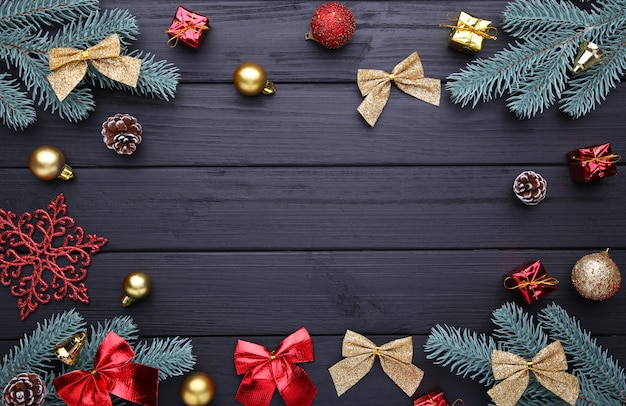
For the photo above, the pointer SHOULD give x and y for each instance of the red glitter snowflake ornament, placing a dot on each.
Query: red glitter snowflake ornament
(45, 250)
(332, 25)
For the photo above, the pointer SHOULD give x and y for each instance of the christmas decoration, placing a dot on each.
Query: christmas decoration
(265, 371)
(34, 259)
(435, 398)
(171, 356)
(26, 389)
(67, 350)
(408, 75)
(122, 133)
(588, 55)
(395, 358)
(548, 368)
(187, 27)
(68, 66)
(530, 282)
(530, 187)
(332, 25)
(47, 162)
(137, 285)
(592, 163)
(596, 276)
(534, 69)
(468, 33)
(602, 380)
(27, 36)
(113, 372)
(250, 79)
(197, 389)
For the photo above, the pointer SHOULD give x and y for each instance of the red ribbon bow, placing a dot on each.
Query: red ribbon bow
(113, 372)
(265, 371)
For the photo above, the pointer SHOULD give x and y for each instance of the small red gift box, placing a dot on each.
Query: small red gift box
(530, 282)
(187, 27)
(592, 163)
(436, 398)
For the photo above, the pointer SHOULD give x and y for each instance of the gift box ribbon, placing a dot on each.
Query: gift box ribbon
(462, 25)
(68, 66)
(267, 370)
(548, 366)
(395, 358)
(112, 373)
(408, 75)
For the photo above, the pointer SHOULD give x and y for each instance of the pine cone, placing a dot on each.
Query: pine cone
(122, 133)
(26, 389)
(530, 187)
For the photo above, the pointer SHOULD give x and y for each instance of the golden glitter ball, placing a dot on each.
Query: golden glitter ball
(197, 389)
(250, 79)
(137, 285)
(596, 276)
(47, 162)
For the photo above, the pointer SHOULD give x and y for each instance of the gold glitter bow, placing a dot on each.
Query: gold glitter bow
(548, 366)
(408, 76)
(395, 358)
(68, 66)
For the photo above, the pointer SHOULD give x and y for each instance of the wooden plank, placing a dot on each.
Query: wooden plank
(338, 208)
(395, 292)
(304, 124)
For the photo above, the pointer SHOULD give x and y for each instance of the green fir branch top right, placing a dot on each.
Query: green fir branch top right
(561, 53)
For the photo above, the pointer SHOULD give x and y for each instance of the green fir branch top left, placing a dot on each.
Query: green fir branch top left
(31, 29)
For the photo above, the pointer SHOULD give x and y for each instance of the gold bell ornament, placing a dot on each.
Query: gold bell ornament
(250, 79)
(588, 55)
(48, 162)
(137, 285)
(67, 351)
(197, 389)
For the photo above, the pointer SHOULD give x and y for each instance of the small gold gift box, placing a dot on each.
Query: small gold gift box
(468, 33)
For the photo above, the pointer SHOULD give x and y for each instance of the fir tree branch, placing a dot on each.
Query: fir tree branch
(16, 108)
(19, 14)
(467, 353)
(538, 19)
(172, 356)
(34, 352)
(517, 330)
(605, 380)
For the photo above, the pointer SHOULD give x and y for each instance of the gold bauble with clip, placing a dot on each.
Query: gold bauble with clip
(137, 285)
(197, 389)
(67, 351)
(250, 79)
(48, 162)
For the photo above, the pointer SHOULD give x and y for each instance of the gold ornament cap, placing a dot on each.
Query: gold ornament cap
(250, 79)
(137, 285)
(67, 351)
(588, 55)
(197, 389)
(48, 162)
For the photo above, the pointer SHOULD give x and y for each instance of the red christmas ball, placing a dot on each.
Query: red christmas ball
(332, 25)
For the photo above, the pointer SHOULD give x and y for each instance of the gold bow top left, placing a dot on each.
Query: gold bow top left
(68, 66)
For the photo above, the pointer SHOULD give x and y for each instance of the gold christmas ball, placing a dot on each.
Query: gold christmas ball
(596, 276)
(250, 79)
(48, 162)
(197, 389)
(137, 285)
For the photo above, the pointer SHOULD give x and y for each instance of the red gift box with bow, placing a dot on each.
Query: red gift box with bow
(592, 163)
(188, 28)
(435, 398)
(530, 282)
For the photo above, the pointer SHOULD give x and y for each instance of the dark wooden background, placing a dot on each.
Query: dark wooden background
(257, 216)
